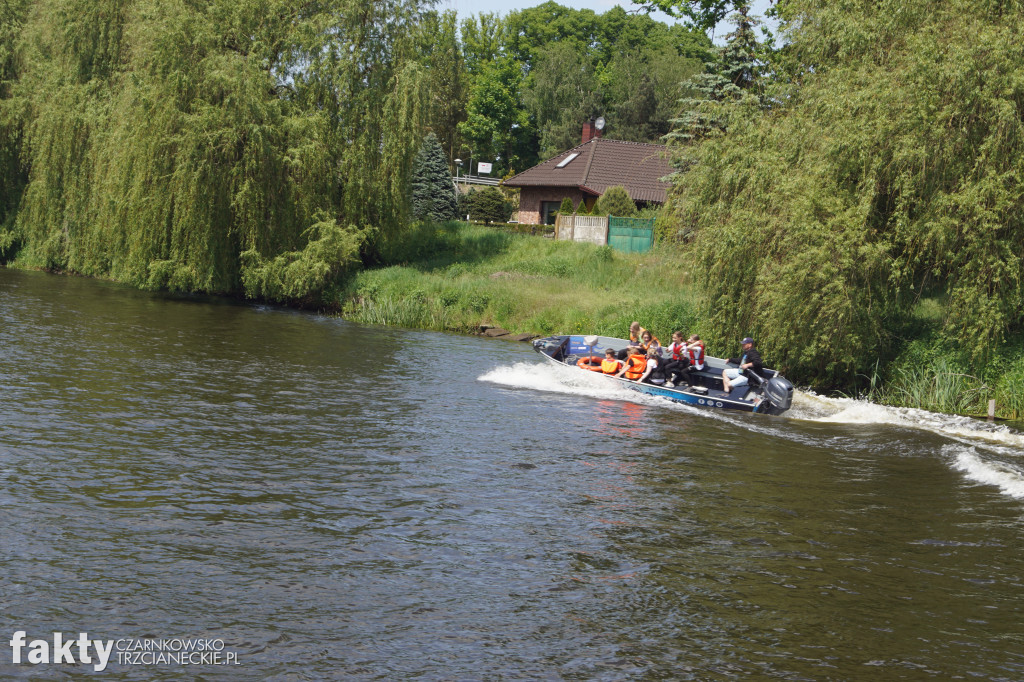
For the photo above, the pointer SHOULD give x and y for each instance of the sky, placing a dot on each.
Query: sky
(467, 7)
(464, 8)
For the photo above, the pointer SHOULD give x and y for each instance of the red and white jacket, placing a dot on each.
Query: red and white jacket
(696, 353)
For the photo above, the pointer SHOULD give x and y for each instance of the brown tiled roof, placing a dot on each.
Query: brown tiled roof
(602, 164)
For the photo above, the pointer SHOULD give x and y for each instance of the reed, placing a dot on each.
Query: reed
(940, 386)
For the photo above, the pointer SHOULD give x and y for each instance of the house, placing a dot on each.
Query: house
(584, 172)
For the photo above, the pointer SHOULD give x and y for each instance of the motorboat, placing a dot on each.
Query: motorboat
(771, 393)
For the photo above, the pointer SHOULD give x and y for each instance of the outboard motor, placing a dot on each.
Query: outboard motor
(779, 392)
(552, 346)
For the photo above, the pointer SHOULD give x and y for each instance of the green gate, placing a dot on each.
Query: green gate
(631, 235)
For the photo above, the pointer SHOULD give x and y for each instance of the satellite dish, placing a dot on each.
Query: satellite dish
(599, 123)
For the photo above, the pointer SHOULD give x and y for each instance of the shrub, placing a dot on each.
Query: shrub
(615, 201)
(488, 205)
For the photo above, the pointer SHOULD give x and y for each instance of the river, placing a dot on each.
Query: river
(331, 501)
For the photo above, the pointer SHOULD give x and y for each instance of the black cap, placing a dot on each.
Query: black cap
(747, 340)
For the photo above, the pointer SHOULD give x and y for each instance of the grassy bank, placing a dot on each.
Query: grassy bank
(455, 277)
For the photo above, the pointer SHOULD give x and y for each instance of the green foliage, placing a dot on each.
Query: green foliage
(890, 164)
(566, 207)
(484, 37)
(642, 91)
(615, 201)
(730, 79)
(703, 14)
(190, 146)
(12, 18)
(486, 205)
(561, 93)
(433, 194)
(497, 126)
(300, 275)
(446, 72)
(932, 373)
(626, 67)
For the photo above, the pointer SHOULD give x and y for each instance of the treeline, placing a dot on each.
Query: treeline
(264, 146)
(530, 79)
(860, 194)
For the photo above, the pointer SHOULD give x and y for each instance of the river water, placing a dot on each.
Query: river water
(330, 501)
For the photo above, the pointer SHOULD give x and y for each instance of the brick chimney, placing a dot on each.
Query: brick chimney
(590, 131)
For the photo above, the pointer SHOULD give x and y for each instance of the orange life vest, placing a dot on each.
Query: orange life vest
(611, 366)
(637, 367)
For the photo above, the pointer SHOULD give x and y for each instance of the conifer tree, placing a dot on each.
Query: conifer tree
(726, 81)
(433, 194)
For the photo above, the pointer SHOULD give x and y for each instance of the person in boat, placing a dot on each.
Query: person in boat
(655, 371)
(677, 362)
(695, 356)
(749, 361)
(611, 364)
(634, 366)
(649, 341)
(635, 330)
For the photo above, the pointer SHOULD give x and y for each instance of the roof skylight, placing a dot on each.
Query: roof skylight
(565, 162)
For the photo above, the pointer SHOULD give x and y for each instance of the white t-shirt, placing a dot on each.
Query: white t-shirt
(652, 364)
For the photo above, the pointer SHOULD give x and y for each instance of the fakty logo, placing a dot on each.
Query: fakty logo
(63, 650)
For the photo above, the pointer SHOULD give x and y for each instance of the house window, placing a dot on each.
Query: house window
(548, 209)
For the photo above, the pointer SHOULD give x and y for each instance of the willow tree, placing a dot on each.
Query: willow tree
(216, 146)
(12, 175)
(888, 167)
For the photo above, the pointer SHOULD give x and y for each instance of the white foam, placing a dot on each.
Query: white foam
(571, 381)
(986, 453)
(555, 379)
(817, 408)
(1008, 478)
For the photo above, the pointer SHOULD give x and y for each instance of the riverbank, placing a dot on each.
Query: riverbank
(457, 277)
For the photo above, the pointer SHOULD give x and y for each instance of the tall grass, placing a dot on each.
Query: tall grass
(933, 374)
(456, 277)
(940, 386)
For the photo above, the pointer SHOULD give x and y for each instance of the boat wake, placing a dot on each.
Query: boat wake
(986, 453)
(565, 380)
